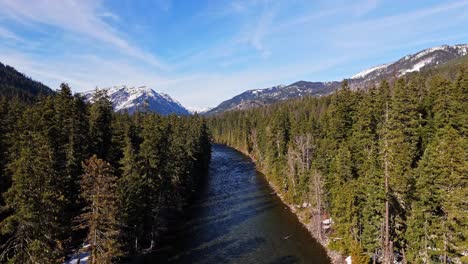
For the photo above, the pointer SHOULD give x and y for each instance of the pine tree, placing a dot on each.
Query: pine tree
(342, 201)
(99, 217)
(71, 146)
(100, 130)
(364, 130)
(160, 161)
(358, 256)
(4, 182)
(36, 203)
(372, 148)
(372, 199)
(131, 190)
(399, 145)
(438, 222)
(278, 137)
(342, 110)
(153, 156)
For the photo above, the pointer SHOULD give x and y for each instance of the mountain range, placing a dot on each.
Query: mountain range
(424, 59)
(260, 97)
(14, 84)
(143, 98)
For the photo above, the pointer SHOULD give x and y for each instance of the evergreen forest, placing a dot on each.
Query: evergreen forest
(73, 173)
(387, 165)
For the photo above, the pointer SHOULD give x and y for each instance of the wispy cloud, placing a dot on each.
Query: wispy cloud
(5, 33)
(87, 19)
(392, 29)
(405, 18)
(210, 51)
(82, 71)
(109, 15)
(224, 86)
(263, 25)
(365, 7)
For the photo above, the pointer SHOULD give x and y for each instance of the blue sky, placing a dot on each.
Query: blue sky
(203, 52)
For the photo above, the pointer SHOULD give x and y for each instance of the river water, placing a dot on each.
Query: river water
(236, 218)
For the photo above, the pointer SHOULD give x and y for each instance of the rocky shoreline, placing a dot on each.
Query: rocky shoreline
(335, 257)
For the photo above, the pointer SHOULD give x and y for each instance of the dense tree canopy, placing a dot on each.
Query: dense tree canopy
(73, 173)
(14, 84)
(387, 164)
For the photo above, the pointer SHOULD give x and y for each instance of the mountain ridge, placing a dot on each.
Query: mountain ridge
(141, 98)
(415, 62)
(14, 84)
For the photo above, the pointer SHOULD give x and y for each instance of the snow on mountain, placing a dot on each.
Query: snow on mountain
(260, 97)
(410, 63)
(418, 66)
(199, 110)
(141, 98)
(366, 72)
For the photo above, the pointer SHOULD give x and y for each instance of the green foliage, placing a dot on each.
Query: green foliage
(358, 256)
(36, 203)
(99, 216)
(410, 132)
(438, 224)
(100, 129)
(14, 84)
(143, 168)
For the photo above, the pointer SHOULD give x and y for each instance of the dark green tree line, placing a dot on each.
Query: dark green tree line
(73, 172)
(390, 159)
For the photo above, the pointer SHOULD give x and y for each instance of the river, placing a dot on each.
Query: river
(236, 218)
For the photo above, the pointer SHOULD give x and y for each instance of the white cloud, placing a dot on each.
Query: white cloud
(209, 89)
(83, 71)
(109, 15)
(365, 7)
(404, 18)
(262, 26)
(5, 33)
(83, 17)
(264, 44)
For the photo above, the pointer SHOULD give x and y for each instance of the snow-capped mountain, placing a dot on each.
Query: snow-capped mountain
(411, 63)
(141, 98)
(259, 97)
(199, 110)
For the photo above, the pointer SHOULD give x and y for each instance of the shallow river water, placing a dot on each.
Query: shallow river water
(236, 218)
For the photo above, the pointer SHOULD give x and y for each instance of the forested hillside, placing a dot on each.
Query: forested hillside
(73, 173)
(388, 165)
(14, 84)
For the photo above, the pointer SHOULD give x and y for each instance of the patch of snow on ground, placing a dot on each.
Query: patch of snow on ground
(82, 257)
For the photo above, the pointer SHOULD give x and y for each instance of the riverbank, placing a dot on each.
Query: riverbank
(236, 219)
(335, 257)
(304, 219)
